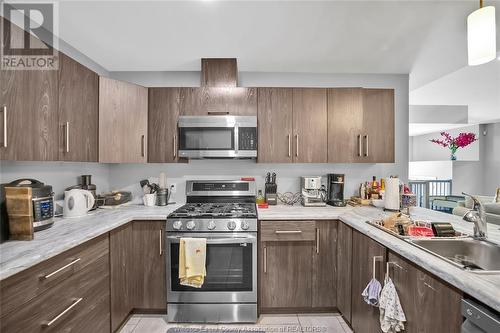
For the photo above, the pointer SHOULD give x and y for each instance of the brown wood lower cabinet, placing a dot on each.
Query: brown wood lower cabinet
(121, 267)
(78, 302)
(138, 272)
(429, 304)
(297, 266)
(150, 265)
(344, 270)
(364, 317)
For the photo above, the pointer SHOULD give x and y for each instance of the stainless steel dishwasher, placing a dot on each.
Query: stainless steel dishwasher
(478, 318)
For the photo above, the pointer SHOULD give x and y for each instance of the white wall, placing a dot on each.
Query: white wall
(424, 150)
(431, 170)
(491, 158)
(58, 174)
(480, 177)
(129, 175)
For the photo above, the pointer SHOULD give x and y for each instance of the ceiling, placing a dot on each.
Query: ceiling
(424, 38)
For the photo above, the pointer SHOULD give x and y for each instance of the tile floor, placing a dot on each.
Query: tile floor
(300, 323)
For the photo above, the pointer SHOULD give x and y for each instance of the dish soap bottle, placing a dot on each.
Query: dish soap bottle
(260, 198)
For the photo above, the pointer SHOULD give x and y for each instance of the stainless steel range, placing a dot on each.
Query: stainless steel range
(224, 213)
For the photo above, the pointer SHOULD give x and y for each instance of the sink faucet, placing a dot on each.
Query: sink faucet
(477, 216)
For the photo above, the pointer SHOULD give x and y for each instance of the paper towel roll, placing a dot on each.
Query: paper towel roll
(392, 193)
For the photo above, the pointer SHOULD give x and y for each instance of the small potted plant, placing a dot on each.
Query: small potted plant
(461, 141)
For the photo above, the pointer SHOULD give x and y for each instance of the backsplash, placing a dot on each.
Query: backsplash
(127, 176)
(58, 174)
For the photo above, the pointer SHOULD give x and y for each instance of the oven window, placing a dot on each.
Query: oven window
(206, 138)
(229, 268)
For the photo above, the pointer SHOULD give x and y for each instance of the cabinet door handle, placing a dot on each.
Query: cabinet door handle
(360, 146)
(142, 145)
(175, 146)
(161, 242)
(5, 126)
(429, 286)
(366, 145)
(297, 145)
(288, 232)
(67, 136)
(289, 146)
(56, 318)
(217, 113)
(317, 240)
(60, 269)
(265, 259)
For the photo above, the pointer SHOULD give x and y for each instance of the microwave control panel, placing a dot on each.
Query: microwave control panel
(247, 138)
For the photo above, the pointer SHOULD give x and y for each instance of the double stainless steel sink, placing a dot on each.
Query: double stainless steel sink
(477, 256)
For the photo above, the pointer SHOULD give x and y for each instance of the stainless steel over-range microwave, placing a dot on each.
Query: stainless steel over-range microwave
(217, 136)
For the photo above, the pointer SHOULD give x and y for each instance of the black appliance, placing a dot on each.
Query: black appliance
(336, 189)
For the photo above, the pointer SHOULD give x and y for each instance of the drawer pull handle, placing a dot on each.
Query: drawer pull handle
(60, 269)
(429, 286)
(67, 136)
(5, 126)
(265, 259)
(161, 242)
(288, 232)
(56, 318)
(317, 240)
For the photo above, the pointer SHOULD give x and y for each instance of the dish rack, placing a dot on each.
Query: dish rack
(380, 225)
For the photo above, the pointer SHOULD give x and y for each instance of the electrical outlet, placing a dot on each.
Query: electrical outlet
(173, 188)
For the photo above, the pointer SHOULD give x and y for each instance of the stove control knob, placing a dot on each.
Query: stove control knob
(190, 225)
(231, 225)
(177, 225)
(245, 225)
(211, 225)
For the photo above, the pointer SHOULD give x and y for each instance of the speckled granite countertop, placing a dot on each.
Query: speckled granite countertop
(65, 234)
(485, 288)
(16, 256)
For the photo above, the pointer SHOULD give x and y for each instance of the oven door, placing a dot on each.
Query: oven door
(217, 136)
(231, 267)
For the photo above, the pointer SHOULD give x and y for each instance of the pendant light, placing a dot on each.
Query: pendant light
(481, 35)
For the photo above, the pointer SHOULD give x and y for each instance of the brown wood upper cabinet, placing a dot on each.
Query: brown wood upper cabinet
(207, 101)
(292, 125)
(78, 112)
(275, 125)
(123, 122)
(361, 125)
(345, 125)
(28, 110)
(219, 72)
(310, 125)
(163, 112)
(298, 256)
(379, 131)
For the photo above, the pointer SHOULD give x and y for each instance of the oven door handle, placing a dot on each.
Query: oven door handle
(218, 240)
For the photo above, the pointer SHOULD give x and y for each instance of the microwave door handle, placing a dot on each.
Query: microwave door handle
(236, 140)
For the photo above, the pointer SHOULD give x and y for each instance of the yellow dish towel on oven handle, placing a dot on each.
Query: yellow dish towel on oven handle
(192, 261)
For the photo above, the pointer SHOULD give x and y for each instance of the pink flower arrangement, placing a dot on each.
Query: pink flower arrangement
(461, 141)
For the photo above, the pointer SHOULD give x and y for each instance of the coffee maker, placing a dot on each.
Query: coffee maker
(313, 193)
(336, 190)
